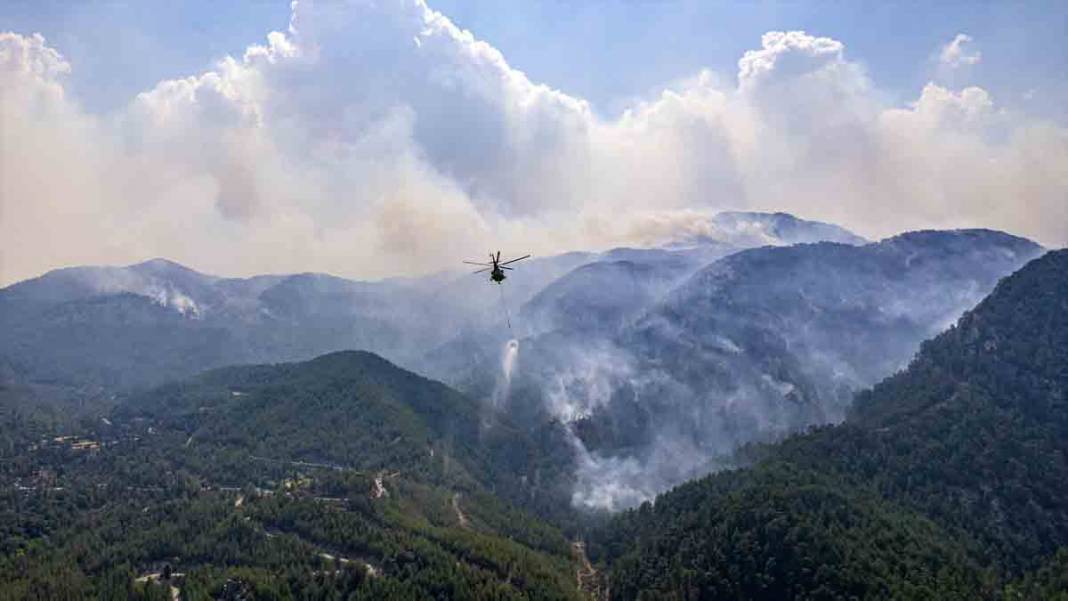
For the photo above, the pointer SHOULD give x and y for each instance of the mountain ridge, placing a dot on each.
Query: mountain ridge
(248, 320)
(968, 480)
(751, 347)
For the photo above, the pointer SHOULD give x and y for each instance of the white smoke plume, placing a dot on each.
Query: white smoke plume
(375, 138)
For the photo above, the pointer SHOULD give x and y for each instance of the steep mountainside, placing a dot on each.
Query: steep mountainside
(347, 408)
(95, 330)
(603, 295)
(756, 345)
(945, 479)
(803, 327)
(656, 360)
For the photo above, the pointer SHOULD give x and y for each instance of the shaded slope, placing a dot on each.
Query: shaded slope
(808, 325)
(752, 347)
(945, 477)
(356, 410)
(96, 330)
(603, 295)
(351, 408)
(77, 523)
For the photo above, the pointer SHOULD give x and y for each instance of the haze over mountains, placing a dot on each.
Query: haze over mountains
(625, 373)
(181, 321)
(660, 366)
(943, 475)
(245, 354)
(653, 363)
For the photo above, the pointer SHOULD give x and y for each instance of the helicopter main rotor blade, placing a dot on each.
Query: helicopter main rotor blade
(514, 260)
(503, 267)
(479, 264)
(480, 270)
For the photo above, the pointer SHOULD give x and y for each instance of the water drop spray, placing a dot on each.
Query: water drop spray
(509, 354)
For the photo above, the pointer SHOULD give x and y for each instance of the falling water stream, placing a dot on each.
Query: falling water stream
(504, 383)
(511, 351)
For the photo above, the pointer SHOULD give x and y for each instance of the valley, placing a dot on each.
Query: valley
(571, 462)
(538, 300)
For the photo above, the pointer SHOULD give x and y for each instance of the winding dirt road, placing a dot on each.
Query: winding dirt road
(589, 579)
(464, 522)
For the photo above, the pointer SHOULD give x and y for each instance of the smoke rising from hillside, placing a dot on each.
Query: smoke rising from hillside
(750, 348)
(376, 138)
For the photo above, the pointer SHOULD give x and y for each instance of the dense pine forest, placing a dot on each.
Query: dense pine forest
(341, 478)
(536, 300)
(347, 477)
(948, 481)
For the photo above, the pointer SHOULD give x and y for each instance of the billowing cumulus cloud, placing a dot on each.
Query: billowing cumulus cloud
(376, 137)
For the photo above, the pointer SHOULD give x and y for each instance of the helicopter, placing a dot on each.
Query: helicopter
(496, 267)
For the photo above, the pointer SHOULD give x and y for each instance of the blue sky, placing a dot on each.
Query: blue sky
(377, 137)
(605, 51)
(119, 48)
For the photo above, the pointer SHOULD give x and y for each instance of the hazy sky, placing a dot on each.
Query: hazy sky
(373, 137)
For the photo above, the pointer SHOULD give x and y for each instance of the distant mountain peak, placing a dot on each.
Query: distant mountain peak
(753, 228)
(166, 269)
(160, 262)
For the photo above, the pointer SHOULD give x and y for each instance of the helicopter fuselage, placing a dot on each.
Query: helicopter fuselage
(496, 267)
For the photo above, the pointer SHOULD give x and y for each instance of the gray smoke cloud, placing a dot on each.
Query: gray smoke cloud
(377, 137)
(709, 356)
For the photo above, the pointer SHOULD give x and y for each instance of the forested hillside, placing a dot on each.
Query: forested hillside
(344, 477)
(97, 330)
(752, 347)
(949, 480)
(348, 477)
(357, 410)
